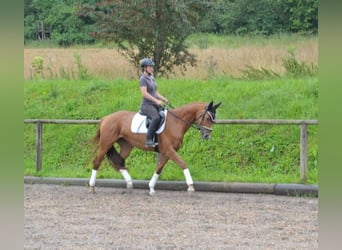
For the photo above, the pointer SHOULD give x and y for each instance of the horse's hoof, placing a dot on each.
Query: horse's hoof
(92, 189)
(129, 186)
(152, 192)
(191, 189)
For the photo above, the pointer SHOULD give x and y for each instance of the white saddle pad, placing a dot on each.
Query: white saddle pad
(138, 124)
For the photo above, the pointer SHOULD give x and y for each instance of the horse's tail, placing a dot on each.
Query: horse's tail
(95, 140)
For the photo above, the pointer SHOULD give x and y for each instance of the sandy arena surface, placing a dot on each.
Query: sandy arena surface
(68, 217)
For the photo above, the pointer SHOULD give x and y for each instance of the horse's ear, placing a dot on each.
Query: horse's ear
(217, 105)
(210, 105)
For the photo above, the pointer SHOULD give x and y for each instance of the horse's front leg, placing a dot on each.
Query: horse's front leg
(189, 180)
(162, 159)
(174, 156)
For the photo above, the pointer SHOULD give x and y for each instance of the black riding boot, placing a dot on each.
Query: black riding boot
(150, 133)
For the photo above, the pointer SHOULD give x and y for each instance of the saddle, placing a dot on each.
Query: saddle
(141, 122)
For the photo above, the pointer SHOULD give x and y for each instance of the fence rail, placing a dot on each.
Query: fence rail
(303, 134)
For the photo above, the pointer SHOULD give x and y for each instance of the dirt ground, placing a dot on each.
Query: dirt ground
(68, 217)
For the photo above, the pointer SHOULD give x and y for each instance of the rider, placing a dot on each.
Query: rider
(152, 101)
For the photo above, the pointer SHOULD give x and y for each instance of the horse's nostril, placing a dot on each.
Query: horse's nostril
(206, 136)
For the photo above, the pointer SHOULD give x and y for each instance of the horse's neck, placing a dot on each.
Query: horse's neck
(189, 112)
(183, 118)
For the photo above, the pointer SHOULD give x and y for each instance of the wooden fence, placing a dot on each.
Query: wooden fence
(303, 134)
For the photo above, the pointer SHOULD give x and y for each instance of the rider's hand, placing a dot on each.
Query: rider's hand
(159, 103)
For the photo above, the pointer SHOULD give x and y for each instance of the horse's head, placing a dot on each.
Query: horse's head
(207, 119)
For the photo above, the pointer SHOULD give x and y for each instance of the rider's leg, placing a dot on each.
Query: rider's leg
(151, 131)
(151, 112)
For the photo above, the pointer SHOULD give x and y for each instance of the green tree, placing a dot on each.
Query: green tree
(34, 13)
(303, 15)
(265, 17)
(155, 29)
(68, 28)
(242, 17)
(60, 15)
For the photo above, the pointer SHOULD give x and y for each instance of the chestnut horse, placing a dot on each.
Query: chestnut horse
(116, 128)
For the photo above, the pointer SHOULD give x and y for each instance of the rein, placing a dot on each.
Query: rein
(197, 127)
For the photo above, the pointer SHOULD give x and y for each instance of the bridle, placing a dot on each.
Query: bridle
(193, 124)
(200, 126)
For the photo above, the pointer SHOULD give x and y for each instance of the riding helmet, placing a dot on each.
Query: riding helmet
(146, 62)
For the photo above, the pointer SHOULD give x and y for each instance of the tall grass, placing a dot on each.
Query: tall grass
(216, 56)
(249, 153)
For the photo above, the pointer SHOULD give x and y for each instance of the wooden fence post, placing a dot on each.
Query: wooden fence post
(303, 152)
(39, 146)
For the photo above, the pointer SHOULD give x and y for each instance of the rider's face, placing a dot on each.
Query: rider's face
(149, 69)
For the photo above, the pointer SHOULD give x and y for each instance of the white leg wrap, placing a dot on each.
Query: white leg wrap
(92, 178)
(153, 180)
(188, 178)
(127, 176)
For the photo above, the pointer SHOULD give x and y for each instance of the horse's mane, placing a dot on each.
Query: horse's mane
(189, 111)
(191, 105)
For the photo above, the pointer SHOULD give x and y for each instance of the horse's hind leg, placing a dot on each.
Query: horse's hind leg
(105, 142)
(118, 160)
(96, 164)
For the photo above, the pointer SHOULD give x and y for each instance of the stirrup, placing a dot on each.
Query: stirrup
(150, 143)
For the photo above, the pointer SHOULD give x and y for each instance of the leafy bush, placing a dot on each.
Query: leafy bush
(37, 66)
(252, 73)
(83, 73)
(295, 68)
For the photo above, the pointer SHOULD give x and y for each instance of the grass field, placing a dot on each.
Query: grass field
(89, 83)
(247, 153)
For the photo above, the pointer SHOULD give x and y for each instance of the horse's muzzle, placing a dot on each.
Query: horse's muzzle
(205, 132)
(206, 136)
